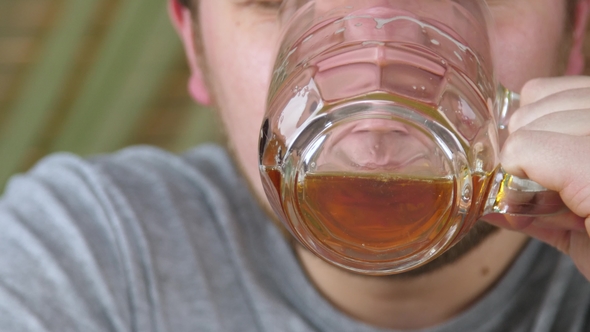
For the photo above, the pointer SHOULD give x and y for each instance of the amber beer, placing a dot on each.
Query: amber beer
(375, 212)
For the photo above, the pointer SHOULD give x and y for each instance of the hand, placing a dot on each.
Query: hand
(549, 143)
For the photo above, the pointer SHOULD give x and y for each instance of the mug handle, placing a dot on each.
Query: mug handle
(513, 195)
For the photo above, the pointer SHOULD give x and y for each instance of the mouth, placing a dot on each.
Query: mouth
(380, 126)
(378, 145)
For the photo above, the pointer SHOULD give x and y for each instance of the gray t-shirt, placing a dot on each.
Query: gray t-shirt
(144, 240)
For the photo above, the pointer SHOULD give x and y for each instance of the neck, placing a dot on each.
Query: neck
(421, 301)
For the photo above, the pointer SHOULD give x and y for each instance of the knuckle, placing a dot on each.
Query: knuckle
(577, 194)
(531, 89)
(513, 143)
(511, 155)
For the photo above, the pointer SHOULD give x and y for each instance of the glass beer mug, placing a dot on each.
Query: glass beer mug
(379, 147)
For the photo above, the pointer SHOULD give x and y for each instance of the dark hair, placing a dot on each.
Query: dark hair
(186, 3)
(570, 15)
(571, 7)
(570, 12)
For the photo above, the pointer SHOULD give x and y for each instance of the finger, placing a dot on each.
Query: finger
(509, 222)
(576, 122)
(556, 161)
(573, 99)
(579, 247)
(540, 88)
(559, 239)
(562, 222)
(574, 243)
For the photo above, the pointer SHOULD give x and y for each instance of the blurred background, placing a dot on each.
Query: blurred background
(92, 76)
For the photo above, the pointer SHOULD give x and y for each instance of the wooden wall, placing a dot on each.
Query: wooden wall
(92, 76)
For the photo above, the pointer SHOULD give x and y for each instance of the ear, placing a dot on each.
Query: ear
(183, 22)
(576, 61)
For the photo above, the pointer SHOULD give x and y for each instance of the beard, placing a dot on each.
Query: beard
(480, 231)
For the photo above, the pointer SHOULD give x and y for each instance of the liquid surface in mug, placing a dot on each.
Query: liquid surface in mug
(374, 212)
(379, 211)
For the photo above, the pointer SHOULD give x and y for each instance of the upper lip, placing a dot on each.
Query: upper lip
(380, 125)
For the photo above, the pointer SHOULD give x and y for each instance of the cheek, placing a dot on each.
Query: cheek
(528, 44)
(240, 76)
(240, 59)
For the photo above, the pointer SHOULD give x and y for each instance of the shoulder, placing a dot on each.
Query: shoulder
(102, 237)
(142, 175)
(205, 167)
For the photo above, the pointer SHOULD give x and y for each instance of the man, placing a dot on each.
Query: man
(147, 241)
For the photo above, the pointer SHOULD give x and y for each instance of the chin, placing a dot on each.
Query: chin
(480, 231)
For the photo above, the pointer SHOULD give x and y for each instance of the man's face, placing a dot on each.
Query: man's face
(240, 39)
